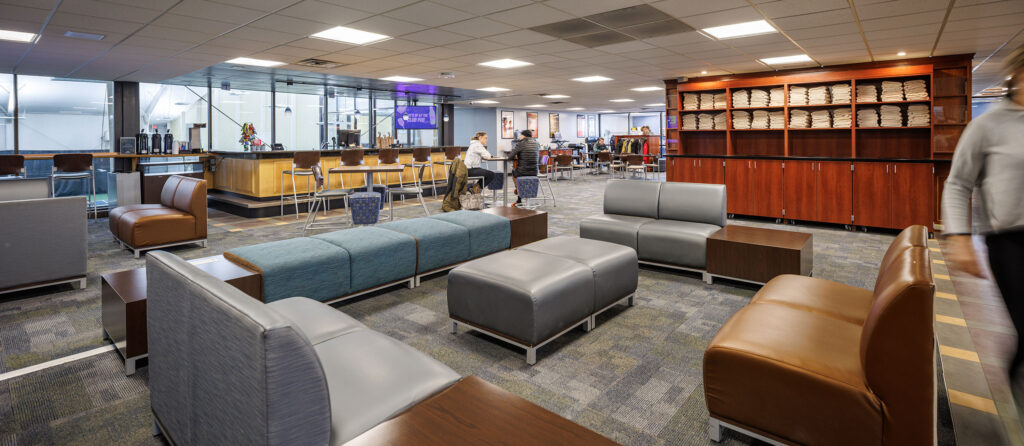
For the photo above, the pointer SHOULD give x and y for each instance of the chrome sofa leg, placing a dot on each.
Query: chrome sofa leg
(136, 251)
(129, 367)
(156, 428)
(455, 327)
(78, 284)
(714, 430)
(589, 325)
(707, 278)
(531, 355)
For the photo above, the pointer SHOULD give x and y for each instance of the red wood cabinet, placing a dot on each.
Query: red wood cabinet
(754, 187)
(799, 191)
(739, 190)
(835, 192)
(699, 170)
(872, 194)
(768, 184)
(893, 195)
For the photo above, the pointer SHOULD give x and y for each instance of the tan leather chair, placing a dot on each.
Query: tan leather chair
(816, 362)
(179, 219)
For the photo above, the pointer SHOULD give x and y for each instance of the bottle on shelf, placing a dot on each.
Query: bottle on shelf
(168, 142)
(143, 142)
(156, 143)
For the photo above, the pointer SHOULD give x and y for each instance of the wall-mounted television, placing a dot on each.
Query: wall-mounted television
(415, 117)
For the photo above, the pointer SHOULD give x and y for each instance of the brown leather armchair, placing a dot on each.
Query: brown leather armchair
(816, 362)
(179, 219)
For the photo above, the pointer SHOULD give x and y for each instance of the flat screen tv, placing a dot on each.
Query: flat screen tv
(415, 117)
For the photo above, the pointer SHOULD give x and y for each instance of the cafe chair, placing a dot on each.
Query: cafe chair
(74, 166)
(564, 163)
(653, 166)
(617, 165)
(402, 191)
(634, 164)
(349, 157)
(321, 197)
(302, 165)
(421, 161)
(388, 157)
(604, 159)
(12, 165)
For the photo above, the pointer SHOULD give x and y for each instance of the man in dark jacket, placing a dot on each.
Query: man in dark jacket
(526, 152)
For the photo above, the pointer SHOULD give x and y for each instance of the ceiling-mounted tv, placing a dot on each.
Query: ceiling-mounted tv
(415, 117)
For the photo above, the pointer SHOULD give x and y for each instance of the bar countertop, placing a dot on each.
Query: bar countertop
(269, 154)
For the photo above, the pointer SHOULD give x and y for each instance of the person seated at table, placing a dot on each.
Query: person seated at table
(475, 155)
(526, 152)
(600, 146)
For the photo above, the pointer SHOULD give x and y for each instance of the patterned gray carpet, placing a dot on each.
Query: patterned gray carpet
(636, 378)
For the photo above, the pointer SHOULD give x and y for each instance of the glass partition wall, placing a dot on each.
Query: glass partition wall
(6, 114)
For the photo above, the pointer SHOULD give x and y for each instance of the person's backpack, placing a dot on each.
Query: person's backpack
(458, 176)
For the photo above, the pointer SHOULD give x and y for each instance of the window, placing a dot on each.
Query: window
(64, 115)
(613, 124)
(231, 109)
(385, 113)
(173, 108)
(297, 119)
(6, 113)
(344, 112)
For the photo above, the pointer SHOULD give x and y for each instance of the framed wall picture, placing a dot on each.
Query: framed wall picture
(592, 126)
(553, 127)
(532, 123)
(581, 126)
(508, 127)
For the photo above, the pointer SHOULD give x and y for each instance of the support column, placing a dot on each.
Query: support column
(126, 119)
(446, 137)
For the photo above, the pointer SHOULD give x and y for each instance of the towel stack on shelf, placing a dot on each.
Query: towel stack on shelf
(758, 98)
(915, 90)
(799, 119)
(720, 101)
(691, 101)
(777, 119)
(720, 120)
(705, 121)
(841, 94)
(821, 119)
(707, 101)
(797, 96)
(918, 115)
(867, 93)
(741, 99)
(689, 121)
(740, 119)
(842, 118)
(777, 97)
(817, 95)
(891, 115)
(866, 117)
(892, 91)
(760, 119)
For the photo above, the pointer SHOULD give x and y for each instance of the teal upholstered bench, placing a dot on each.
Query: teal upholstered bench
(439, 244)
(297, 267)
(487, 233)
(378, 256)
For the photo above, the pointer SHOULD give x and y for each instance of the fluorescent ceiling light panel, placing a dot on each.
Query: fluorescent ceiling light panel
(536, 106)
(592, 79)
(607, 111)
(401, 79)
(575, 108)
(255, 62)
(87, 36)
(620, 100)
(555, 96)
(492, 89)
(787, 59)
(647, 89)
(505, 63)
(485, 101)
(350, 35)
(740, 30)
(658, 104)
(17, 36)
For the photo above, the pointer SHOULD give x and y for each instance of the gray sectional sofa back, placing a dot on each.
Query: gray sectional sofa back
(43, 240)
(694, 202)
(634, 198)
(226, 369)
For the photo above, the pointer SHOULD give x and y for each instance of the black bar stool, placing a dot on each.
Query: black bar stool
(12, 165)
(74, 166)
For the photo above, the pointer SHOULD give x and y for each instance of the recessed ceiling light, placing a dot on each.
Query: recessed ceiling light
(484, 101)
(592, 79)
(786, 59)
(17, 36)
(492, 89)
(646, 88)
(740, 29)
(555, 96)
(620, 100)
(505, 63)
(349, 35)
(536, 106)
(400, 79)
(87, 36)
(657, 104)
(704, 72)
(607, 111)
(901, 53)
(255, 62)
(575, 108)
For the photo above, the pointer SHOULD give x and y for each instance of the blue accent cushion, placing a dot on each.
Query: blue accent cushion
(299, 267)
(439, 243)
(528, 186)
(365, 207)
(487, 233)
(377, 256)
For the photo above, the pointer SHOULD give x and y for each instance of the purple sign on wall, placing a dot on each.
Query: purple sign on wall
(413, 117)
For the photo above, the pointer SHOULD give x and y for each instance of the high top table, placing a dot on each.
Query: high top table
(504, 169)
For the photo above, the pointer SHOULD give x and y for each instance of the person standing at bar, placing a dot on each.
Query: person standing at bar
(474, 157)
(989, 160)
(526, 152)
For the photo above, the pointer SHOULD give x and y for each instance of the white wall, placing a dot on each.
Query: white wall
(566, 124)
(468, 121)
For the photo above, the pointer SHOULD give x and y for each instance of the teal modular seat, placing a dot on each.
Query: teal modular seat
(438, 243)
(298, 267)
(377, 256)
(487, 233)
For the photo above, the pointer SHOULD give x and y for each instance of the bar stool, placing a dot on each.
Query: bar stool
(528, 187)
(388, 157)
(603, 159)
(421, 159)
(302, 165)
(320, 201)
(12, 165)
(634, 164)
(618, 165)
(74, 166)
(365, 208)
(349, 157)
(498, 183)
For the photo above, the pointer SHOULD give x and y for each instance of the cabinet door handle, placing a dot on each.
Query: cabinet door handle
(893, 168)
(886, 168)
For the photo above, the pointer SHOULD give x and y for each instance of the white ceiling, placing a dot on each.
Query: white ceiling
(155, 40)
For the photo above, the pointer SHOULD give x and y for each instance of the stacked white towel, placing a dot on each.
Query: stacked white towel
(892, 91)
(720, 101)
(760, 119)
(777, 97)
(740, 119)
(841, 94)
(689, 121)
(918, 115)
(705, 121)
(720, 121)
(891, 115)
(867, 93)
(758, 98)
(866, 117)
(799, 119)
(797, 96)
(821, 119)
(915, 90)
(776, 119)
(842, 118)
(707, 101)
(691, 101)
(817, 95)
(741, 99)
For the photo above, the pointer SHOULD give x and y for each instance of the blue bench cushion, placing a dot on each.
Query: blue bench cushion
(438, 243)
(378, 256)
(297, 267)
(487, 233)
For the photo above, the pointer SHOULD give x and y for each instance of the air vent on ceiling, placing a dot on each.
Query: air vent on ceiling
(318, 63)
(616, 26)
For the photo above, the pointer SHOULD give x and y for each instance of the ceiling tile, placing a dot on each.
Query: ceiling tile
(626, 47)
(581, 9)
(387, 26)
(521, 37)
(676, 41)
(554, 47)
(401, 45)
(530, 16)
(686, 8)
(476, 46)
(291, 25)
(324, 13)
(479, 27)
(823, 31)
(436, 37)
(180, 22)
(727, 17)
(374, 6)
(478, 7)
(161, 32)
(369, 52)
(923, 18)
(326, 46)
(260, 5)
(814, 20)
(224, 13)
(440, 52)
(892, 9)
(429, 14)
(85, 23)
(93, 8)
(787, 8)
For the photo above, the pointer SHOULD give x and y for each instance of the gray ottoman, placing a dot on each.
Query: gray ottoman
(616, 269)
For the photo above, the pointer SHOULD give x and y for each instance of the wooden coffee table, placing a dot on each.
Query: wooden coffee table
(123, 298)
(757, 254)
(473, 412)
(528, 225)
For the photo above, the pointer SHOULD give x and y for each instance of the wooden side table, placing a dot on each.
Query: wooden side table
(123, 302)
(757, 254)
(528, 225)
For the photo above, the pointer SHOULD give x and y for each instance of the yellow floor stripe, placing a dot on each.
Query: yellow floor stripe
(219, 224)
(235, 230)
(941, 276)
(935, 249)
(940, 262)
(973, 401)
(943, 295)
(951, 320)
(281, 223)
(960, 353)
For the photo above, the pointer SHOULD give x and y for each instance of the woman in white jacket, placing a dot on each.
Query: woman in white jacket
(474, 158)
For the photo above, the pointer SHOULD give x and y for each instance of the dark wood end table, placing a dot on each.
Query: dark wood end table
(757, 254)
(528, 225)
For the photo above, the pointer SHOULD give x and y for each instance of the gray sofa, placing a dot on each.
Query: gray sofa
(225, 368)
(666, 223)
(42, 242)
